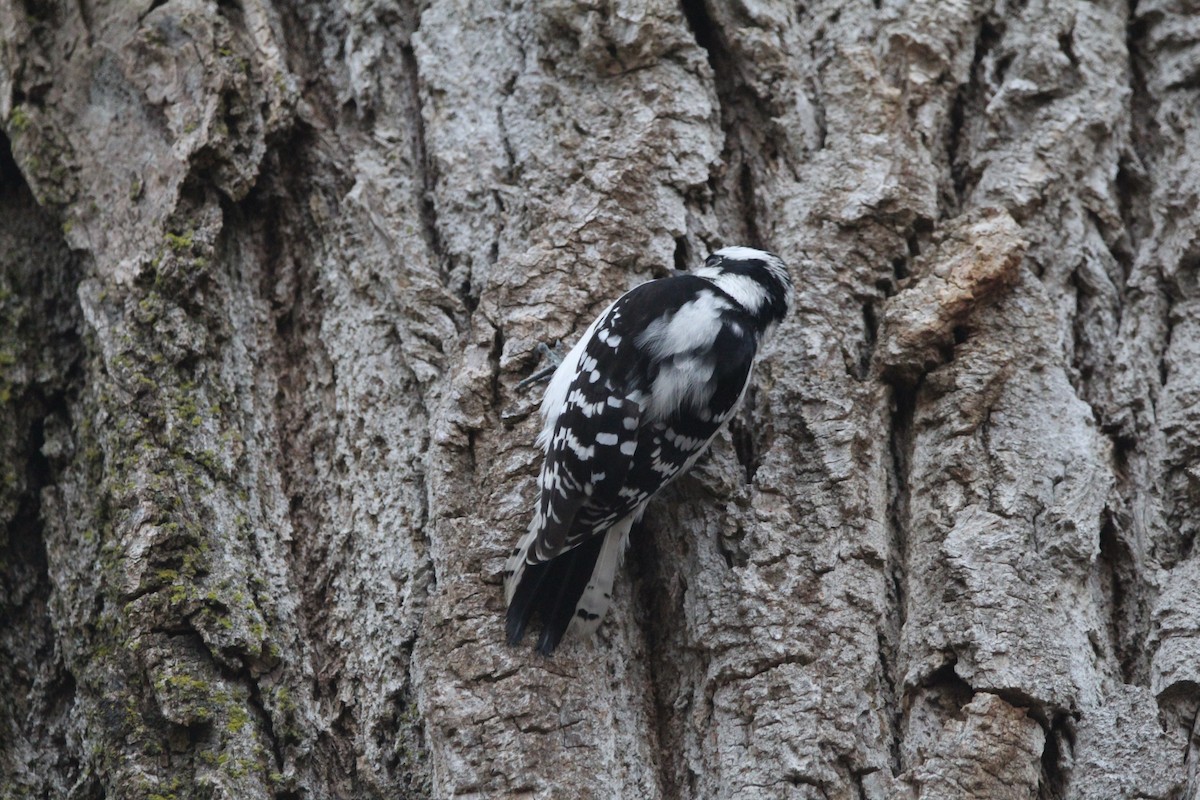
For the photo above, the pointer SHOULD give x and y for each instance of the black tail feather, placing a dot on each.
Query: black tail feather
(523, 603)
(551, 591)
(556, 612)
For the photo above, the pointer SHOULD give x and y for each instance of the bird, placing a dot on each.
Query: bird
(630, 408)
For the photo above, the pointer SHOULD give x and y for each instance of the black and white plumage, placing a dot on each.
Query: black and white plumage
(631, 407)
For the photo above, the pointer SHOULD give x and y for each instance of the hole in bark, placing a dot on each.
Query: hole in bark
(746, 184)
(26, 551)
(682, 257)
(702, 27)
(1179, 707)
(469, 300)
(1032, 706)
(796, 779)
(1054, 778)
(10, 175)
(1066, 43)
(1187, 277)
(1002, 66)
(1131, 187)
(744, 444)
(951, 691)
(918, 230)
(867, 346)
(954, 136)
(1118, 579)
(231, 9)
(945, 355)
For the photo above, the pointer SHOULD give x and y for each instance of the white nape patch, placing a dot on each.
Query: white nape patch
(772, 262)
(555, 398)
(747, 292)
(693, 327)
(597, 595)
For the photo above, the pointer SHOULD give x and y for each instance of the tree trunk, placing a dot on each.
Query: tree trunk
(270, 275)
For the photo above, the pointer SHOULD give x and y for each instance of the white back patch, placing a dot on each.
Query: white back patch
(694, 326)
(682, 381)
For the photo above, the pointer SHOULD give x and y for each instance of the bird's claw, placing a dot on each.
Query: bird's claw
(553, 356)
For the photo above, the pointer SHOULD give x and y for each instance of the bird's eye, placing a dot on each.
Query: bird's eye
(712, 260)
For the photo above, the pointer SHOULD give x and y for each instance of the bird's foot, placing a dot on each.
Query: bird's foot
(554, 356)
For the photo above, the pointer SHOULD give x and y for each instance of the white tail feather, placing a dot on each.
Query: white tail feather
(597, 595)
(515, 566)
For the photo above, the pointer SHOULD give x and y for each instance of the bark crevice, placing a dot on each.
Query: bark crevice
(971, 97)
(41, 350)
(751, 133)
(427, 174)
(901, 443)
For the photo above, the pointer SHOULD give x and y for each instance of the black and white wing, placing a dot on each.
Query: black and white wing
(631, 407)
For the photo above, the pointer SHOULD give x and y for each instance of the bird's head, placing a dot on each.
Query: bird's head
(756, 279)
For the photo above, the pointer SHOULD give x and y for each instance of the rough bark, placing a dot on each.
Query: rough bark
(270, 274)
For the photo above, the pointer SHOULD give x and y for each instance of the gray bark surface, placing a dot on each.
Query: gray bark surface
(270, 274)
